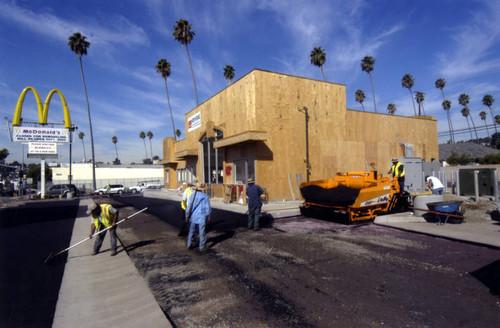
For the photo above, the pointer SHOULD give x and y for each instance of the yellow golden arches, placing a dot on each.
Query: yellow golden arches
(43, 111)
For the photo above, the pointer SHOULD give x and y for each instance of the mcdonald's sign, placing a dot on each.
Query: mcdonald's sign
(41, 133)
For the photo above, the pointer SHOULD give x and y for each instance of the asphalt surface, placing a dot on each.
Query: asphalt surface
(295, 272)
(304, 272)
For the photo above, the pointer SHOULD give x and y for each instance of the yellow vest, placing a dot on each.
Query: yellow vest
(189, 190)
(395, 170)
(106, 217)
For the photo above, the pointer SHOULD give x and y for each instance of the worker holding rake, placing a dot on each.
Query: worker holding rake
(103, 216)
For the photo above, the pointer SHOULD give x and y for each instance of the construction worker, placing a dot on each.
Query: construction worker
(198, 211)
(434, 185)
(398, 171)
(103, 216)
(185, 196)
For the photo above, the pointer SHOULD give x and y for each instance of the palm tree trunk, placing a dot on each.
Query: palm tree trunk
(151, 150)
(170, 108)
(90, 126)
(494, 124)
(145, 149)
(363, 106)
(486, 126)
(116, 151)
(373, 92)
(449, 126)
(413, 102)
(470, 131)
(475, 131)
(323, 73)
(192, 73)
(84, 155)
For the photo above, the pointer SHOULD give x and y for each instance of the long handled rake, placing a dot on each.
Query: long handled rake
(51, 255)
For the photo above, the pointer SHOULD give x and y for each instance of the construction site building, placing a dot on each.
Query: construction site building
(256, 128)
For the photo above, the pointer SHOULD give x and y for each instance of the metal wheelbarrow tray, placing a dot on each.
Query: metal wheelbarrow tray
(445, 208)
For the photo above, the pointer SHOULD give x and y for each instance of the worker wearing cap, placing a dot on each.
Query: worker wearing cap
(254, 204)
(398, 171)
(103, 216)
(198, 214)
(185, 196)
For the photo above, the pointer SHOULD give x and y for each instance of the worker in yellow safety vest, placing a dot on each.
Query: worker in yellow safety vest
(185, 196)
(398, 171)
(103, 216)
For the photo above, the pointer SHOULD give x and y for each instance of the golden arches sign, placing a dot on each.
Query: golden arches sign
(43, 110)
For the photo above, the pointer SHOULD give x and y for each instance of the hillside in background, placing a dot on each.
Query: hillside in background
(473, 150)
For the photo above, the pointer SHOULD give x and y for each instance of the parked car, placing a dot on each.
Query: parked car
(62, 190)
(141, 186)
(101, 191)
(116, 189)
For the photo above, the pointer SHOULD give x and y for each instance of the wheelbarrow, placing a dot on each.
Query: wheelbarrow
(446, 209)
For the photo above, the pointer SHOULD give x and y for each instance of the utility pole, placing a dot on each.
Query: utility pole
(308, 166)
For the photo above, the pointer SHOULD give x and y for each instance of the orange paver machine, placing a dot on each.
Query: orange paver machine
(360, 195)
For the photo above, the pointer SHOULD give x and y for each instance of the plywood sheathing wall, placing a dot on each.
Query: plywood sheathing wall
(339, 139)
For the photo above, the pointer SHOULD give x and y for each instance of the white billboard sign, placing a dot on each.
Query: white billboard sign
(42, 148)
(40, 134)
(194, 122)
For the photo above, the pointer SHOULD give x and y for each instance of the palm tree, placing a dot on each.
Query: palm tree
(183, 34)
(150, 136)
(391, 108)
(446, 104)
(318, 58)
(163, 68)
(229, 73)
(465, 113)
(488, 101)
(483, 115)
(79, 45)
(142, 135)
(463, 100)
(419, 97)
(407, 82)
(367, 66)
(115, 140)
(81, 135)
(360, 97)
(178, 133)
(440, 84)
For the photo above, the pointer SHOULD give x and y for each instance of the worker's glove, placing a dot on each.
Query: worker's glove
(90, 236)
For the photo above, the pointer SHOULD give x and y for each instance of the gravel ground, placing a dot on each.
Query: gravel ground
(303, 272)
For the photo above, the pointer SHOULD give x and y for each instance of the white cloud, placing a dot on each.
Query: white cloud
(474, 43)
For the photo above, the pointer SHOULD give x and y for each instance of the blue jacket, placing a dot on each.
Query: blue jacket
(201, 207)
(253, 193)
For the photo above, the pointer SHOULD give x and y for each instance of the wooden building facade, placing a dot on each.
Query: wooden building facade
(256, 127)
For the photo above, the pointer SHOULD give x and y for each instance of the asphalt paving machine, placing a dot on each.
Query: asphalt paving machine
(359, 195)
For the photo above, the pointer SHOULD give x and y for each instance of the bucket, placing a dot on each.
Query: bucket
(69, 195)
(421, 201)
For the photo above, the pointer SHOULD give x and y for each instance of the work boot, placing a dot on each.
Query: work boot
(94, 253)
(113, 253)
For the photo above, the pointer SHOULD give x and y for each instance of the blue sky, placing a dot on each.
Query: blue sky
(451, 39)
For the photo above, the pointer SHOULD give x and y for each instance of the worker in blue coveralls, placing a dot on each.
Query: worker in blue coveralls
(254, 204)
(198, 212)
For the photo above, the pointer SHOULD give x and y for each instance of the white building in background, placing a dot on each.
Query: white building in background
(127, 175)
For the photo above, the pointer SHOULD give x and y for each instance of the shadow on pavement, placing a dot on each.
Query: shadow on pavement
(489, 276)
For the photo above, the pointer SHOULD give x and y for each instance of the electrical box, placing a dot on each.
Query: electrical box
(413, 174)
(487, 180)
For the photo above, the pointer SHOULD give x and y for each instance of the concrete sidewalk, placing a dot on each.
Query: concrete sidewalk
(486, 233)
(103, 291)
